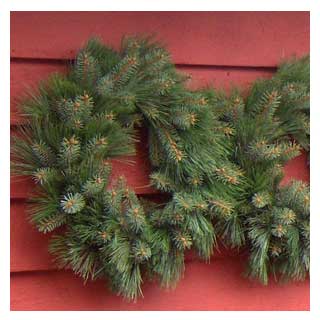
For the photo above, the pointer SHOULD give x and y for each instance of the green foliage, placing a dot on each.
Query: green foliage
(72, 203)
(219, 158)
(271, 216)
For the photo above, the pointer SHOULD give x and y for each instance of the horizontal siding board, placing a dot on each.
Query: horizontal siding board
(297, 169)
(215, 286)
(199, 38)
(28, 247)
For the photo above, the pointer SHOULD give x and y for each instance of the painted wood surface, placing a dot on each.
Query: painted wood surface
(205, 38)
(217, 48)
(215, 286)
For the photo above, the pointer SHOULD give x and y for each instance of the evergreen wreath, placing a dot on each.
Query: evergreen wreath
(218, 157)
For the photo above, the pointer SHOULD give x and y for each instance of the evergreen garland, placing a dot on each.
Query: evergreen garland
(218, 157)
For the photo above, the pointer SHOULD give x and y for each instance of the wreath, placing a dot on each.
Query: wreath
(218, 158)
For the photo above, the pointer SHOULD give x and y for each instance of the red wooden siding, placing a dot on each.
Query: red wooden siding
(215, 48)
(202, 38)
(215, 286)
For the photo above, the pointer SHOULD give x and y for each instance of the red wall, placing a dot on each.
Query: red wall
(216, 48)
